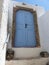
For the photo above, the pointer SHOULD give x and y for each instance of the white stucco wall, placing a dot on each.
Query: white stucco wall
(44, 30)
(24, 52)
(1, 5)
(3, 31)
(43, 23)
(40, 11)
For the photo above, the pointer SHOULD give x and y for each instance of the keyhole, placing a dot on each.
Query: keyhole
(25, 25)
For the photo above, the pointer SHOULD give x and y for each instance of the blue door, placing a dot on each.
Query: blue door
(25, 32)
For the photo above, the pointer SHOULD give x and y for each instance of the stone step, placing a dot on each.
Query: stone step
(27, 52)
(33, 61)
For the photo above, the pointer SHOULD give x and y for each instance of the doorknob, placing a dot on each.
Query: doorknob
(25, 25)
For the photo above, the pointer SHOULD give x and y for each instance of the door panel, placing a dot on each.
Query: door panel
(31, 38)
(20, 18)
(30, 32)
(25, 32)
(20, 30)
(29, 18)
(20, 38)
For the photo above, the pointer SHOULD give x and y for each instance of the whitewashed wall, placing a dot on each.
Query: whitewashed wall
(44, 30)
(40, 11)
(3, 30)
(1, 5)
(24, 52)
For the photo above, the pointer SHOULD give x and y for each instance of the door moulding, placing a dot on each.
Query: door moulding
(17, 8)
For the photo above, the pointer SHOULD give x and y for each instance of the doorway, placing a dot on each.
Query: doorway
(25, 29)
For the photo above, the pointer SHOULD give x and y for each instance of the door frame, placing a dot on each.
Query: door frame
(15, 9)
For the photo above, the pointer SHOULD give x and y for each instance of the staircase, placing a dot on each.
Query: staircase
(27, 52)
(33, 61)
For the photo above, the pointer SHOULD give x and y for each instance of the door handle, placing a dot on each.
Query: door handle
(25, 25)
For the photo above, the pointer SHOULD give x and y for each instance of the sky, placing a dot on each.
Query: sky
(43, 3)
